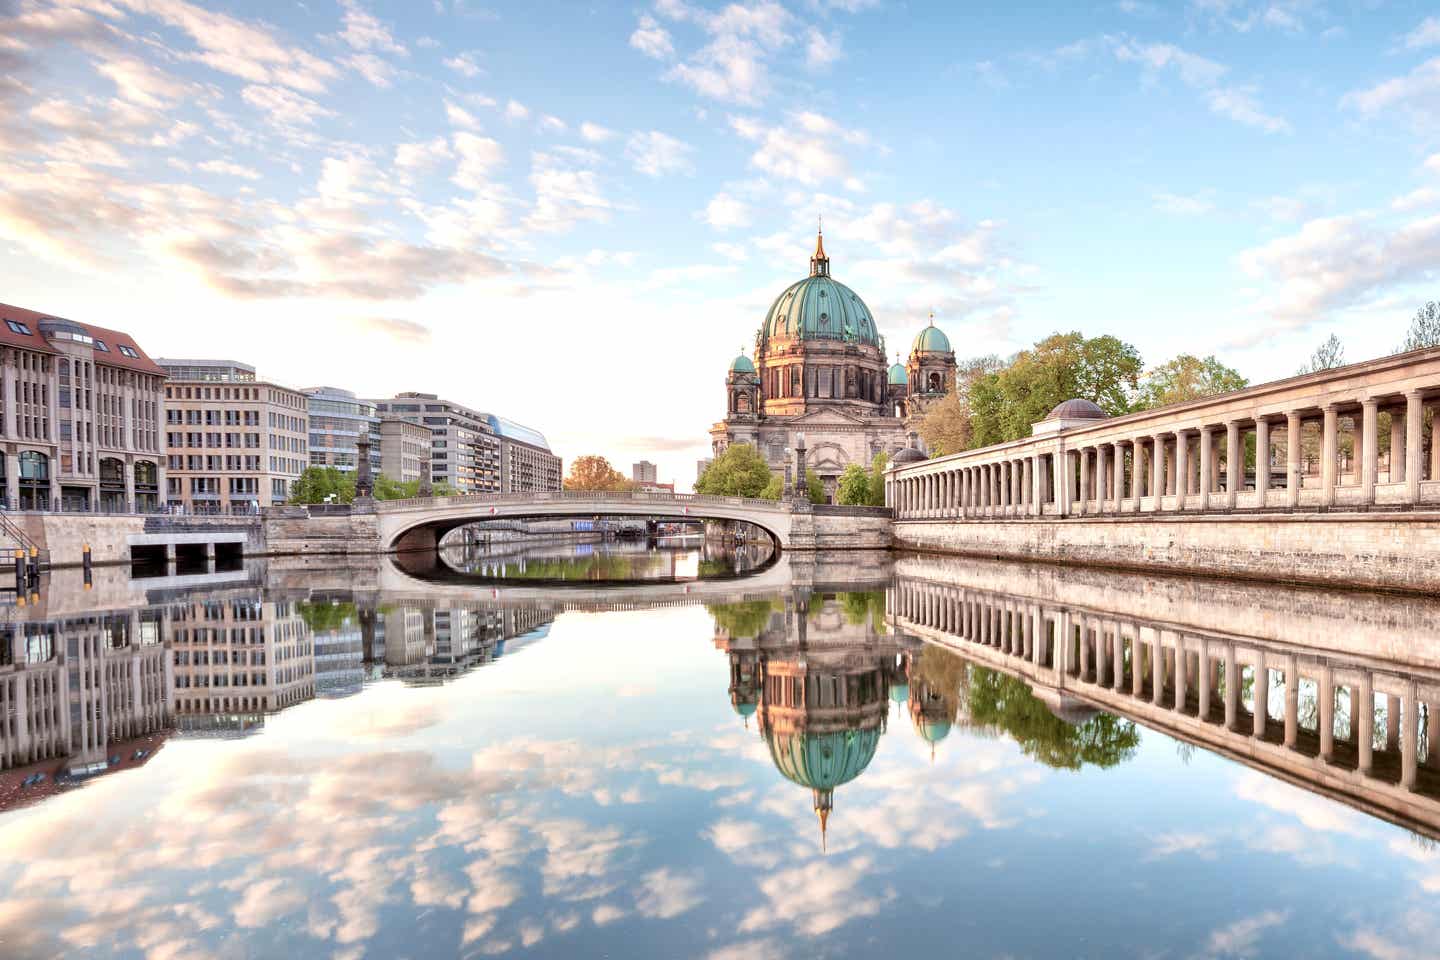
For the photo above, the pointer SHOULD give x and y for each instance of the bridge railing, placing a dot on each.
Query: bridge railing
(578, 497)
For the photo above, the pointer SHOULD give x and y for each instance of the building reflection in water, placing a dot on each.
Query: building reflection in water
(815, 670)
(85, 694)
(1355, 726)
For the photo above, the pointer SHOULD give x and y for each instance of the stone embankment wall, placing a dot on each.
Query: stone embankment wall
(1390, 551)
(839, 528)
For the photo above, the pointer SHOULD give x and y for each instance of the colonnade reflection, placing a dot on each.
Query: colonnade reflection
(1364, 729)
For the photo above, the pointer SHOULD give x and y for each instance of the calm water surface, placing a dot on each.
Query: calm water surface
(851, 759)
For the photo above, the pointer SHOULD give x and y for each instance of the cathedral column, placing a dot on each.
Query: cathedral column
(1137, 471)
(1157, 473)
(1370, 449)
(1118, 481)
(1262, 460)
(1414, 428)
(1293, 462)
(1082, 507)
(1397, 445)
(1234, 464)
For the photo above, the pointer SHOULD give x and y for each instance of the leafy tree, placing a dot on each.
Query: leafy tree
(854, 486)
(388, 489)
(1003, 404)
(739, 472)
(774, 489)
(317, 484)
(592, 472)
(946, 427)
(878, 465)
(1424, 329)
(814, 488)
(1005, 703)
(1327, 356)
(1186, 378)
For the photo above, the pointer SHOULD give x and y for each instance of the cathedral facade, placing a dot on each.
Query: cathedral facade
(819, 370)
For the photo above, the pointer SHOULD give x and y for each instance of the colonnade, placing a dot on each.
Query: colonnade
(1316, 446)
(1255, 700)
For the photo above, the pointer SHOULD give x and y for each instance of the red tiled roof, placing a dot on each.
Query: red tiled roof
(112, 339)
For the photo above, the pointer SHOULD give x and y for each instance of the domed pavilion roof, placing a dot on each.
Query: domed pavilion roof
(820, 308)
(1076, 409)
(742, 364)
(908, 455)
(931, 340)
(823, 761)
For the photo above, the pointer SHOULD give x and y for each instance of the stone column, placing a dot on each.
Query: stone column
(1117, 654)
(1083, 505)
(1362, 721)
(1409, 736)
(1202, 680)
(1397, 445)
(1414, 427)
(1117, 482)
(1182, 467)
(1325, 690)
(1137, 471)
(1232, 688)
(1207, 456)
(1182, 694)
(1292, 701)
(1262, 460)
(1329, 455)
(1370, 449)
(1157, 668)
(1157, 471)
(1027, 483)
(12, 475)
(1137, 664)
(1234, 464)
(1262, 693)
(1293, 462)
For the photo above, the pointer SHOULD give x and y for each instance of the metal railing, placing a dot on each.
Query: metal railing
(12, 530)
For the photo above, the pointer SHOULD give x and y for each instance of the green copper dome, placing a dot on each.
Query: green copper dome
(742, 364)
(823, 761)
(818, 308)
(899, 692)
(932, 731)
(931, 340)
(898, 377)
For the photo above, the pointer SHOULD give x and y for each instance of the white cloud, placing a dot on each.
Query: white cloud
(226, 168)
(515, 110)
(652, 39)
(460, 117)
(1415, 199)
(1200, 73)
(567, 191)
(803, 150)
(366, 33)
(821, 50)
(143, 83)
(731, 251)
(549, 124)
(1240, 105)
(378, 71)
(1185, 206)
(476, 159)
(656, 154)
(594, 133)
(1427, 34)
(734, 65)
(422, 155)
(1240, 939)
(283, 106)
(466, 64)
(725, 212)
(664, 893)
(1417, 93)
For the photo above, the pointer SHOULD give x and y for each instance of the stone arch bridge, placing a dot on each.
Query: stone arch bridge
(419, 524)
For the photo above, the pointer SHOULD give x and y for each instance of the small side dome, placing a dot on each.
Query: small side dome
(931, 340)
(908, 455)
(742, 364)
(898, 377)
(899, 692)
(1076, 409)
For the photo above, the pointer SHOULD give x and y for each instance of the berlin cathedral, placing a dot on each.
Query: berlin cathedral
(819, 370)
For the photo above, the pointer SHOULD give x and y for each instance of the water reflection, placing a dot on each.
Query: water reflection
(663, 559)
(359, 762)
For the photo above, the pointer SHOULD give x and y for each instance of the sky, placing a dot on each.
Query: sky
(576, 215)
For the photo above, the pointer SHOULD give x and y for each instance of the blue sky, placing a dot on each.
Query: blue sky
(575, 215)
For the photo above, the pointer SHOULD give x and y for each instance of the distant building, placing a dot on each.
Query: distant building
(643, 472)
(655, 487)
(404, 445)
(80, 422)
(527, 465)
(701, 466)
(477, 452)
(233, 443)
(337, 421)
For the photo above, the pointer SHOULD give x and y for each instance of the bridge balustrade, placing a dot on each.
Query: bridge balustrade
(1306, 443)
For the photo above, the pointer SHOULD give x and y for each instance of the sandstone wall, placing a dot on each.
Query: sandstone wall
(1392, 551)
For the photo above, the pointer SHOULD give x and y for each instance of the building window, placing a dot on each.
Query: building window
(17, 327)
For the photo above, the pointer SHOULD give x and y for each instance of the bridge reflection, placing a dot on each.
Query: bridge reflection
(1361, 729)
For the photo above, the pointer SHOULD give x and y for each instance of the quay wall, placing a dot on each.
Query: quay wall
(1377, 550)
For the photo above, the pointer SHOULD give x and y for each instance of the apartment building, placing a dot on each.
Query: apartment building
(526, 463)
(404, 445)
(643, 472)
(234, 443)
(464, 451)
(81, 409)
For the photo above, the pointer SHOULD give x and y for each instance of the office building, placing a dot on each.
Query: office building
(527, 465)
(337, 421)
(81, 417)
(404, 445)
(234, 443)
(643, 472)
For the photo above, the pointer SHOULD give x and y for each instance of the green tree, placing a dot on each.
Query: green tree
(321, 617)
(1186, 378)
(1327, 356)
(815, 489)
(322, 484)
(878, 466)
(1005, 703)
(738, 472)
(854, 486)
(946, 427)
(1004, 404)
(1424, 328)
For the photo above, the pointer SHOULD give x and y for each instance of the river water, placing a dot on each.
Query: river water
(683, 751)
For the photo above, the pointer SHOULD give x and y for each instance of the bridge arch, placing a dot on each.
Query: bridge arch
(406, 525)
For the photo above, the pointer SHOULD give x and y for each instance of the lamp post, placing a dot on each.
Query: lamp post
(802, 489)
